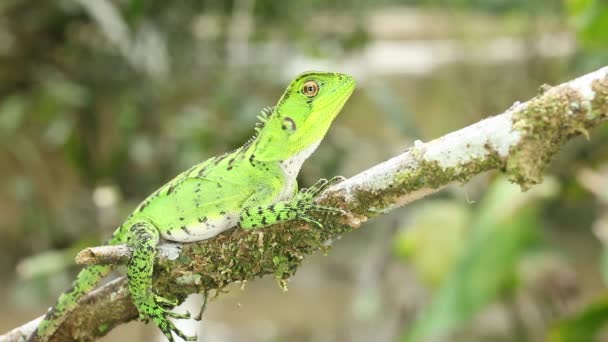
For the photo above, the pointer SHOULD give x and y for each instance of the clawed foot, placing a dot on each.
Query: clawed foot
(305, 200)
(159, 312)
(323, 184)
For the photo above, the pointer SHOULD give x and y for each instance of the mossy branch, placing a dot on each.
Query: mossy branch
(519, 142)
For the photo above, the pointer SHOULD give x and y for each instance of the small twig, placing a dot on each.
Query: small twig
(121, 254)
(104, 255)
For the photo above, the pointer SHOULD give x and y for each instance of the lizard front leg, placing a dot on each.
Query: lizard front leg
(143, 238)
(297, 207)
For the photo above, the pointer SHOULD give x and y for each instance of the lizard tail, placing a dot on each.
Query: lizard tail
(86, 281)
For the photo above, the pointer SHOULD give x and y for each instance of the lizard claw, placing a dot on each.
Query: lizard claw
(323, 184)
(178, 315)
(310, 220)
(308, 194)
(329, 209)
(159, 311)
(169, 327)
(337, 179)
(164, 302)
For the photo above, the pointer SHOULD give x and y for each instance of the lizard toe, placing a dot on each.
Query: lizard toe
(337, 179)
(169, 336)
(178, 315)
(164, 302)
(310, 220)
(328, 209)
(168, 327)
(182, 335)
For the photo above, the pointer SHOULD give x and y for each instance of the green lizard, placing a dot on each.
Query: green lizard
(251, 187)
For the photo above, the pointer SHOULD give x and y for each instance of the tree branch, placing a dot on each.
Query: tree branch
(519, 142)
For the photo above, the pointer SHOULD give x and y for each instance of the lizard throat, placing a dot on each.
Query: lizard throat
(291, 167)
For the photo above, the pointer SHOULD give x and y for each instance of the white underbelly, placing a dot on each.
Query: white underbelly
(202, 230)
(287, 191)
(291, 167)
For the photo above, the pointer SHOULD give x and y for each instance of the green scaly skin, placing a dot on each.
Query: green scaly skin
(251, 187)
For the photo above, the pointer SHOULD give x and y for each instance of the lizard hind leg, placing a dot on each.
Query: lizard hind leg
(143, 238)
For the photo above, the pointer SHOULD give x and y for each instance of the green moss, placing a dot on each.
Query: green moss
(434, 176)
(282, 265)
(188, 279)
(546, 123)
(599, 105)
(102, 329)
(240, 255)
(424, 175)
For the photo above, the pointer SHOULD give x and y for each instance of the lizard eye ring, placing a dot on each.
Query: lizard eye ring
(310, 88)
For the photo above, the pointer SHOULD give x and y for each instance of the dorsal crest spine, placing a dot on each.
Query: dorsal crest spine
(265, 114)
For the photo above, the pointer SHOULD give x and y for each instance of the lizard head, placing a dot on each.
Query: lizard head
(303, 114)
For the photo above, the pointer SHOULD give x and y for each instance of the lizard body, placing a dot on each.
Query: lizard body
(251, 187)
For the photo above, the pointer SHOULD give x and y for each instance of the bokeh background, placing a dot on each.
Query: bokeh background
(103, 101)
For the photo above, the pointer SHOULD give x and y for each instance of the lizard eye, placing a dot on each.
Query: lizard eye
(310, 88)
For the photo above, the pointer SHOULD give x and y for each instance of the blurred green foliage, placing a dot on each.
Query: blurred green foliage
(585, 326)
(432, 249)
(501, 233)
(102, 101)
(590, 18)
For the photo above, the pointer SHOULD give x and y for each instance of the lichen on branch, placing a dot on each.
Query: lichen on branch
(549, 120)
